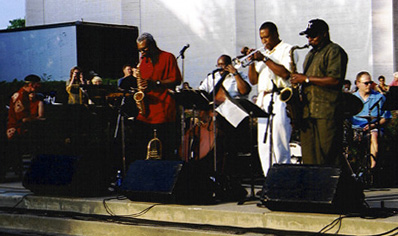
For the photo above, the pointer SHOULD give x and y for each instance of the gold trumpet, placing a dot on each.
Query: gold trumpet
(244, 61)
(140, 95)
(154, 148)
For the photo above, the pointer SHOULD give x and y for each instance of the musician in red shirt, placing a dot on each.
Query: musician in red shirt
(23, 110)
(21, 105)
(156, 74)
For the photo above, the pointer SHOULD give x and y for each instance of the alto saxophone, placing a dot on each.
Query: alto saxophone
(140, 95)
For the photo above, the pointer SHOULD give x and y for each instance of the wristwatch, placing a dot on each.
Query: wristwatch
(307, 80)
(265, 59)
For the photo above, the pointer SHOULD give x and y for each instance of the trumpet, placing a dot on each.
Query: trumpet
(244, 61)
(154, 148)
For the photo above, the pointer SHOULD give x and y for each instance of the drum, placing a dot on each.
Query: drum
(295, 152)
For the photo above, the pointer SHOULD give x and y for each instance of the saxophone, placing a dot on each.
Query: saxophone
(140, 95)
(292, 96)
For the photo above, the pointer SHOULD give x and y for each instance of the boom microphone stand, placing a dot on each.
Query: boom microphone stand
(183, 109)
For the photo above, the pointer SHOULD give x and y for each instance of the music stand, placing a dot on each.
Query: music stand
(190, 99)
(97, 93)
(254, 112)
(391, 99)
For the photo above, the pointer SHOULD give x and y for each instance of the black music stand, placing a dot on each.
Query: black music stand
(191, 99)
(97, 93)
(391, 103)
(254, 112)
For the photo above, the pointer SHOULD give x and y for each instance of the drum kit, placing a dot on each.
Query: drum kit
(356, 141)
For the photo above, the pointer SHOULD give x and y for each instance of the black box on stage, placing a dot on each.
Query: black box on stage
(168, 182)
(308, 188)
(63, 175)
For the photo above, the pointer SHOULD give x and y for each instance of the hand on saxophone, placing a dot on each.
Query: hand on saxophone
(141, 83)
(297, 78)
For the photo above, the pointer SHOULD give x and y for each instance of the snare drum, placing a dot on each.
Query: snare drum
(295, 152)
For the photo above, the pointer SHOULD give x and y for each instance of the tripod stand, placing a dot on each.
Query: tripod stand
(254, 112)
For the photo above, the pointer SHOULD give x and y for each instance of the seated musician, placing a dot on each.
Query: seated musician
(370, 111)
(229, 83)
(128, 81)
(25, 109)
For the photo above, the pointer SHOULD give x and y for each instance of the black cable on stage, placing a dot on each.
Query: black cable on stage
(141, 213)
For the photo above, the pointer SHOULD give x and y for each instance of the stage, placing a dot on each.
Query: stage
(24, 213)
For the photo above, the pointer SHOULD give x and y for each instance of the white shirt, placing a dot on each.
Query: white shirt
(280, 54)
(229, 84)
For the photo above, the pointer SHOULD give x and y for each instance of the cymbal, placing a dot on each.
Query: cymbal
(352, 105)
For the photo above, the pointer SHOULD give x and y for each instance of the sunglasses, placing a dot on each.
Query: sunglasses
(367, 83)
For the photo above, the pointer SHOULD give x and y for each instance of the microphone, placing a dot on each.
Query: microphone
(216, 70)
(184, 49)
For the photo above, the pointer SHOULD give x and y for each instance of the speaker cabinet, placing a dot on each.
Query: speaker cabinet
(307, 188)
(63, 175)
(170, 182)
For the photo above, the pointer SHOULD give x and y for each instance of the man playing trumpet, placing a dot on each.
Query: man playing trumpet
(271, 71)
(156, 73)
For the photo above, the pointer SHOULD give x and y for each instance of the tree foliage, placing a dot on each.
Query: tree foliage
(16, 23)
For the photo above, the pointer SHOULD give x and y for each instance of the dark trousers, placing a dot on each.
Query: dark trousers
(321, 142)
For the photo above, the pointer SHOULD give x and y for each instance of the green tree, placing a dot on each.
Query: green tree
(17, 23)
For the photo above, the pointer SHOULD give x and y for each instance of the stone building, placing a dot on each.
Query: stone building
(364, 28)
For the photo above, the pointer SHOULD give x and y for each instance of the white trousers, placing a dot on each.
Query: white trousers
(281, 132)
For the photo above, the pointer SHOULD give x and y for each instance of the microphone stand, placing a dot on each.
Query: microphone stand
(182, 107)
(214, 123)
(269, 130)
(120, 121)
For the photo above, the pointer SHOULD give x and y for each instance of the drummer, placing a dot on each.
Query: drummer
(366, 120)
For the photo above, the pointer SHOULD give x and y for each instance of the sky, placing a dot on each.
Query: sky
(11, 10)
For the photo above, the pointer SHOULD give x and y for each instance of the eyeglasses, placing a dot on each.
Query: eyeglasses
(367, 83)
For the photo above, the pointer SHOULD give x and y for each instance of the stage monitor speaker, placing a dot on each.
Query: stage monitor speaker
(308, 188)
(167, 182)
(62, 175)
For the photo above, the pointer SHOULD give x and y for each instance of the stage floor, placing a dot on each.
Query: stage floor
(24, 212)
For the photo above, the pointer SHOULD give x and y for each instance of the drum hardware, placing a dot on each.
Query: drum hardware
(295, 150)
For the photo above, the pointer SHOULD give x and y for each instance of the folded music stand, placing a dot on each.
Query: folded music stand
(254, 112)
